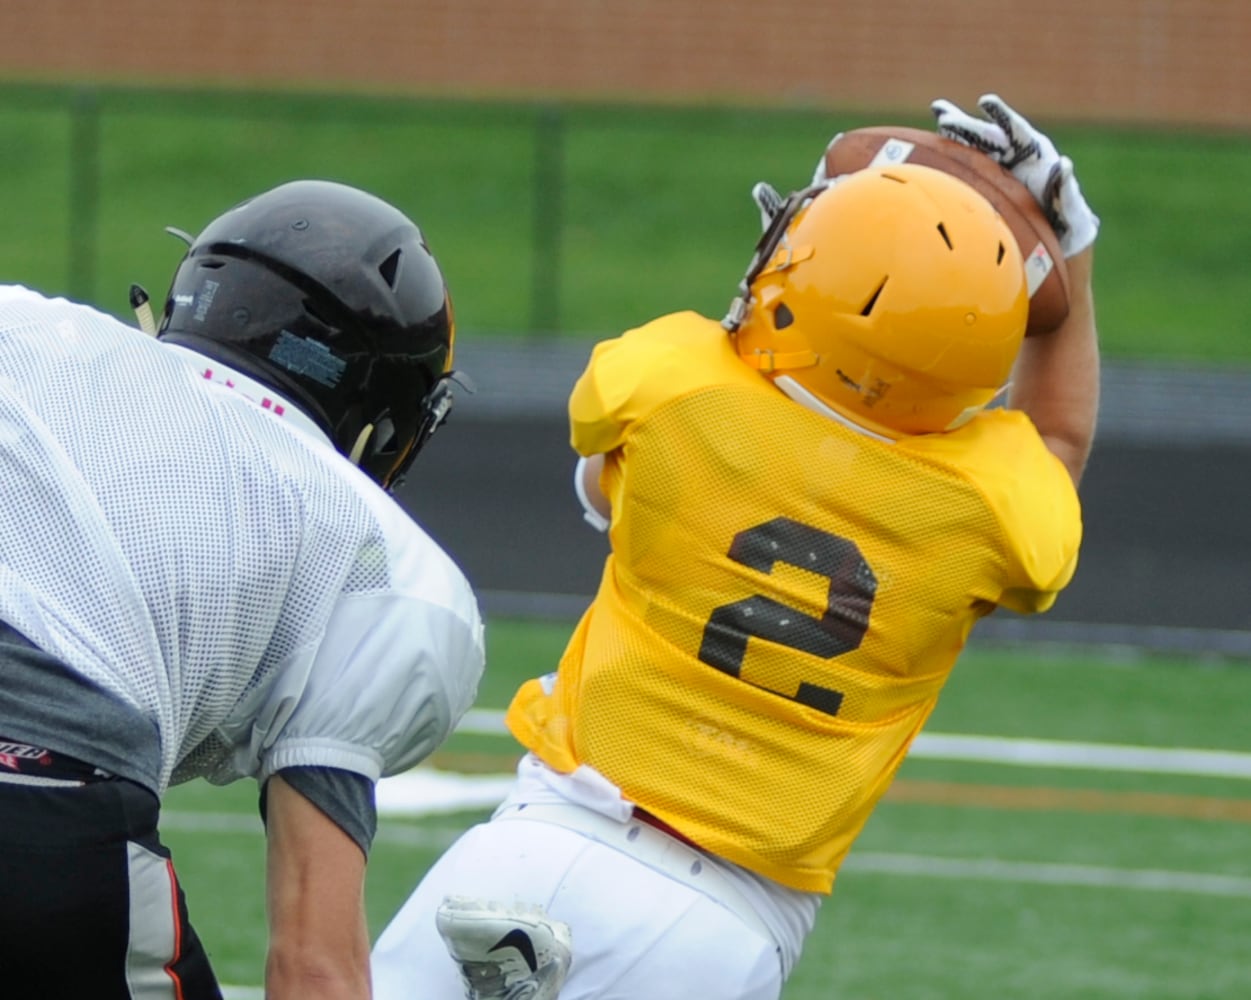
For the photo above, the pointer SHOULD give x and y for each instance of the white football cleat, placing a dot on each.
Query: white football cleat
(505, 953)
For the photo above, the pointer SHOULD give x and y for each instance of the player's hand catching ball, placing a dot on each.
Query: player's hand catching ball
(1012, 141)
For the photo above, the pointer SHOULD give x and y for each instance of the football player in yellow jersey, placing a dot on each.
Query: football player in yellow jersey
(810, 505)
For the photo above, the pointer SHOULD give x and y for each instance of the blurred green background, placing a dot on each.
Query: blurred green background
(571, 219)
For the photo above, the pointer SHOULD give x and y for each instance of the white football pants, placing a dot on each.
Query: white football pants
(651, 919)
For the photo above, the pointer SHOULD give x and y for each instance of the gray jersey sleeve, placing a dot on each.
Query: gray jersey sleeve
(347, 798)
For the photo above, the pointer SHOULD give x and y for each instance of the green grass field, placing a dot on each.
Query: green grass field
(578, 219)
(974, 879)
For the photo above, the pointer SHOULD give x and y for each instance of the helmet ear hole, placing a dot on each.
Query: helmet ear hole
(385, 441)
(782, 316)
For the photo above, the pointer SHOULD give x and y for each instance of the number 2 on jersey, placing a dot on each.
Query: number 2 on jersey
(838, 630)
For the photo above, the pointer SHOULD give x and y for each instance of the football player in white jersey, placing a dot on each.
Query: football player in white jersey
(202, 574)
(809, 506)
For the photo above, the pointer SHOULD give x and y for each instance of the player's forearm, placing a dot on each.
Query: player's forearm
(319, 942)
(305, 971)
(1056, 381)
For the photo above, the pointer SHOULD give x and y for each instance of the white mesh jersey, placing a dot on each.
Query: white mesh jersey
(204, 560)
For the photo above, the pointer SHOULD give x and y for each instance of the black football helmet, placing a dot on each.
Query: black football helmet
(331, 297)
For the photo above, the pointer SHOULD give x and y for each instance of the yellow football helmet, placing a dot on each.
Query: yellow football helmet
(895, 295)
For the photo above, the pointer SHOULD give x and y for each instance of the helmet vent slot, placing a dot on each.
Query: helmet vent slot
(1002, 251)
(390, 268)
(942, 231)
(868, 306)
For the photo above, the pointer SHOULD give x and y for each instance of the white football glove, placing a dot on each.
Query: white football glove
(1032, 158)
(767, 199)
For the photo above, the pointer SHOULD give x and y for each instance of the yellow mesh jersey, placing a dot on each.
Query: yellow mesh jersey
(785, 596)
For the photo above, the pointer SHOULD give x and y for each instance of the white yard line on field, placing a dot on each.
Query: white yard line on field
(1019, 752)
(1038, 873)
(1089, 756)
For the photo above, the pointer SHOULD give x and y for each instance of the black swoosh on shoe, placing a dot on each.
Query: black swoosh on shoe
(520, 940)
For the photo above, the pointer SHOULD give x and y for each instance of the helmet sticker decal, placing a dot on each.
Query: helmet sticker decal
(204, 299)
(306, 357)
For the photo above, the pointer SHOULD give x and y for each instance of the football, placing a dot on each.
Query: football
(1046, 276)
